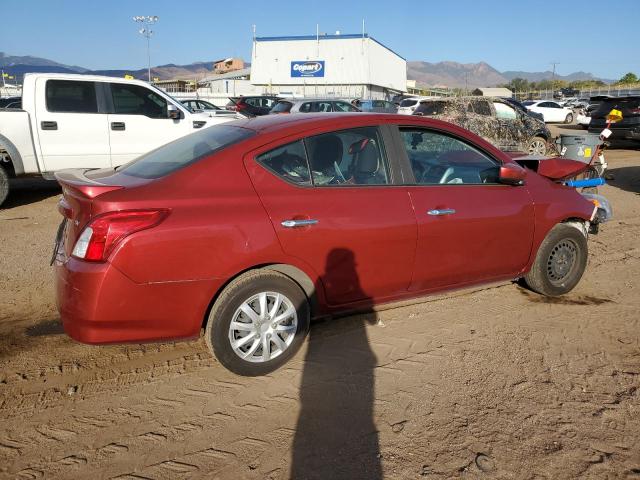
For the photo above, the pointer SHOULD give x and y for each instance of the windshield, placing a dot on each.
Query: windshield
(184, 151)
(409, 102)
(282, 107)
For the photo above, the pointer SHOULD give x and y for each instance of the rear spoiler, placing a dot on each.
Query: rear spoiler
(78, 181)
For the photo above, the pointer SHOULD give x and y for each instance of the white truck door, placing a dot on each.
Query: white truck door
(139, 122)
(70, 129)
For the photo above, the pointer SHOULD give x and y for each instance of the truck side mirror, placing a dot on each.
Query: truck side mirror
(173, 112)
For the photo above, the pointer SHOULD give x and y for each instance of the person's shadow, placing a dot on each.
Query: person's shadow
(336, 437)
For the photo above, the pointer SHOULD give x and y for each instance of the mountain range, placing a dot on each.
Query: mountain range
(453, 74)
(450, 74)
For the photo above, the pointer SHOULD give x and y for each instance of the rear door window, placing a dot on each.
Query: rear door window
(71, 96)
(348, 157)
(409, 102)
(131, 99)
(481, 107)
(288, 162)
(345, 107)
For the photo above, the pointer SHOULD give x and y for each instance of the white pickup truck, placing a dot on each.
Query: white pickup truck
(85, 121)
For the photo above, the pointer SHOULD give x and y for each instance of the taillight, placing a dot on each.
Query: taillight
(634, 111)
(103, 233)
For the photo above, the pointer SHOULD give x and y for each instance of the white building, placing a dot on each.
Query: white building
(348, 66)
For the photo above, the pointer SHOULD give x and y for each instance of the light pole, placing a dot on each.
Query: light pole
(146, 31)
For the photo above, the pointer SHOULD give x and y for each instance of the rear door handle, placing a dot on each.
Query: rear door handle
(298, 223)
(442, 211)
(49, 125)
(117, 126)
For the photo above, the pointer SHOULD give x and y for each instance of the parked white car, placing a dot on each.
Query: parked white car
(408, 105)
(86, 121)
(551, 111)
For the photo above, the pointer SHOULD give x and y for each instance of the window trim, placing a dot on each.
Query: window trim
(407, 170)
(97, 91)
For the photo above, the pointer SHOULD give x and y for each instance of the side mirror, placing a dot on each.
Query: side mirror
(512, 174)
(173, 112)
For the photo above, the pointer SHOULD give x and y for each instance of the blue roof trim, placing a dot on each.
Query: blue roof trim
(326, 37)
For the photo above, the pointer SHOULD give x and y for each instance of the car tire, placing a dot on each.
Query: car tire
(538, 146)
(569, 118)
(231, 320)
(559, 263)
(4, 184)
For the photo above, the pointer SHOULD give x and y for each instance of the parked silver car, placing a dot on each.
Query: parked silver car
(378, 106)
(312, 105)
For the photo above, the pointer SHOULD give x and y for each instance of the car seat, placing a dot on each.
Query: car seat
(367, 164)
(325, 151)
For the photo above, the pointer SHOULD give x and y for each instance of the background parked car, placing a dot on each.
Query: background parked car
(254, 106)
(378, 106)
(628, 128)
(409, 105)
(494, 119)
(551, 111)
(197, 105)
(315, 105)
(522, 108)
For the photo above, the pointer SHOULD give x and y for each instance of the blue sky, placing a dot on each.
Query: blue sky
(589, 35)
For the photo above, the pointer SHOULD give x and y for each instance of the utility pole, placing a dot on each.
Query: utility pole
(146, 32)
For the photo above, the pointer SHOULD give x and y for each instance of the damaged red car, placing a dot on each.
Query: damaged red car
(253, 228)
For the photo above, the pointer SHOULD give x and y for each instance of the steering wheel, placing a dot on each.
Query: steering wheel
(445, 176)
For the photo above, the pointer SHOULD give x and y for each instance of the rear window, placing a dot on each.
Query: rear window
(71, 96)
(628, 106)
(431, 108)
(185, 151)
(282, 107)
(409, 102)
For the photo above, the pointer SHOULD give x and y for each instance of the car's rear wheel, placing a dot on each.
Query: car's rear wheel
(4, 184)
(559, 263)
(258, 323)
(569, 118)
(538, 146)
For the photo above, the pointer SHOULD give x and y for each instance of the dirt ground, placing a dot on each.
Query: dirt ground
(492, 383)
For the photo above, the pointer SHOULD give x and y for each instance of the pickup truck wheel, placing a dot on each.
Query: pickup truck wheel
(560, 262)
(258, 323)
(569, 118)
(4, 184)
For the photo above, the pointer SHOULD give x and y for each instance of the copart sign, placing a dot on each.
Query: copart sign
(309, 68)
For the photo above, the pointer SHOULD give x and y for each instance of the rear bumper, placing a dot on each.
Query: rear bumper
(99, 304)
(632, 133)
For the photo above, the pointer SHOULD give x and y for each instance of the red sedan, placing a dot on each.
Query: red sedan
(252, 228)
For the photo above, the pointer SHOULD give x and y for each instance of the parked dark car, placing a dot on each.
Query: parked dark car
(252, 228)
(494, 119)
(198, 105)
(521, 106)
(628, 128)
(254, 106)
(11, 102)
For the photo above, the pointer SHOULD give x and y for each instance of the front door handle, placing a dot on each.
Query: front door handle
(49, 125)
(117, 126)
(298, 223)
(442, 211)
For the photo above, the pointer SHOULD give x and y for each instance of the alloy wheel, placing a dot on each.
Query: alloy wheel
(537, 147)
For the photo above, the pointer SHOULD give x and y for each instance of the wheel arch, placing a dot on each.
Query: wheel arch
(15, 166)
(310, 287)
